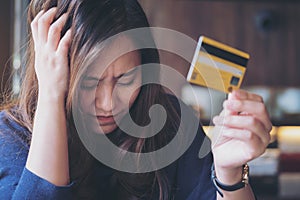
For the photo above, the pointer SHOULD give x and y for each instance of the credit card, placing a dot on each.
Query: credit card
(218, 66)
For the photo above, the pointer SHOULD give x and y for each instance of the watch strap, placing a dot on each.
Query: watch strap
(233, 187)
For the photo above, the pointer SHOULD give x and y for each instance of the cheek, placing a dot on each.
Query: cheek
(133, 97)
(86, 100)
(136, 90)
(128, 96)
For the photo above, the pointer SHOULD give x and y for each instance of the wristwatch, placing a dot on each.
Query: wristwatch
(230, 188)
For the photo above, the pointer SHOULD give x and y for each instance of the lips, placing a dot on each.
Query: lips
(106, 120)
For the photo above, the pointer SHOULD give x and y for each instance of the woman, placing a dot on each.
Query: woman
(70, 67)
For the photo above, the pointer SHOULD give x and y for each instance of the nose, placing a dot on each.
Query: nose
(104, 99)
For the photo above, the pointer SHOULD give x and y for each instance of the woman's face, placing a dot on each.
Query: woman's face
(106, 95)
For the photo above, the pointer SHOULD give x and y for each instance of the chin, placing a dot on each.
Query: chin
(105, 129)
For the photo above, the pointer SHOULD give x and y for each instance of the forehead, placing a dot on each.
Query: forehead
(119, 56)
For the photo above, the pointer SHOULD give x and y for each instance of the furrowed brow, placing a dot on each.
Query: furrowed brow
(127, 73)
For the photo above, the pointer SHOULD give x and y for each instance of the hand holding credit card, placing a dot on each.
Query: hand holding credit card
(217, 66)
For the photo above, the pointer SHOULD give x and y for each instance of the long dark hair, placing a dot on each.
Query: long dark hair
(91, 22)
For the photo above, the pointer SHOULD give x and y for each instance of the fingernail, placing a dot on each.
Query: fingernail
(53, 9)
(241, 94)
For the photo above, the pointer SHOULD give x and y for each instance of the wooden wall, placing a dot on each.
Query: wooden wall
(274, 44)
(268, 30)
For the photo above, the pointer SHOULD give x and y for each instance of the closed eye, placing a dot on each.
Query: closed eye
(127, 78)
(125, 82)
(89, 83)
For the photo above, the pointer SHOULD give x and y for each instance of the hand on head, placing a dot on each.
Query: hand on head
(51, 52)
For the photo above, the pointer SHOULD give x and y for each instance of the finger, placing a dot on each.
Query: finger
(44, 23)
(226, 112)
(55, 29)
(64, 44)
(34, 25)
(222, 113)
(248, 123)
(247, 107)
(250, 139)
(244, 95)
(239, 134)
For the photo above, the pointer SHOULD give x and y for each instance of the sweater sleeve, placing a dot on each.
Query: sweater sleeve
(193, 171)
(17, 182)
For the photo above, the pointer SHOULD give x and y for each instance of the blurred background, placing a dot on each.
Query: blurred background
(267, 29)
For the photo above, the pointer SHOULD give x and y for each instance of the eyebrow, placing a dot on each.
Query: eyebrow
(126, 74)
(90, 78)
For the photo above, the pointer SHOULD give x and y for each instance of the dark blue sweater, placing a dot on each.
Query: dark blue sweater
(16, 182)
